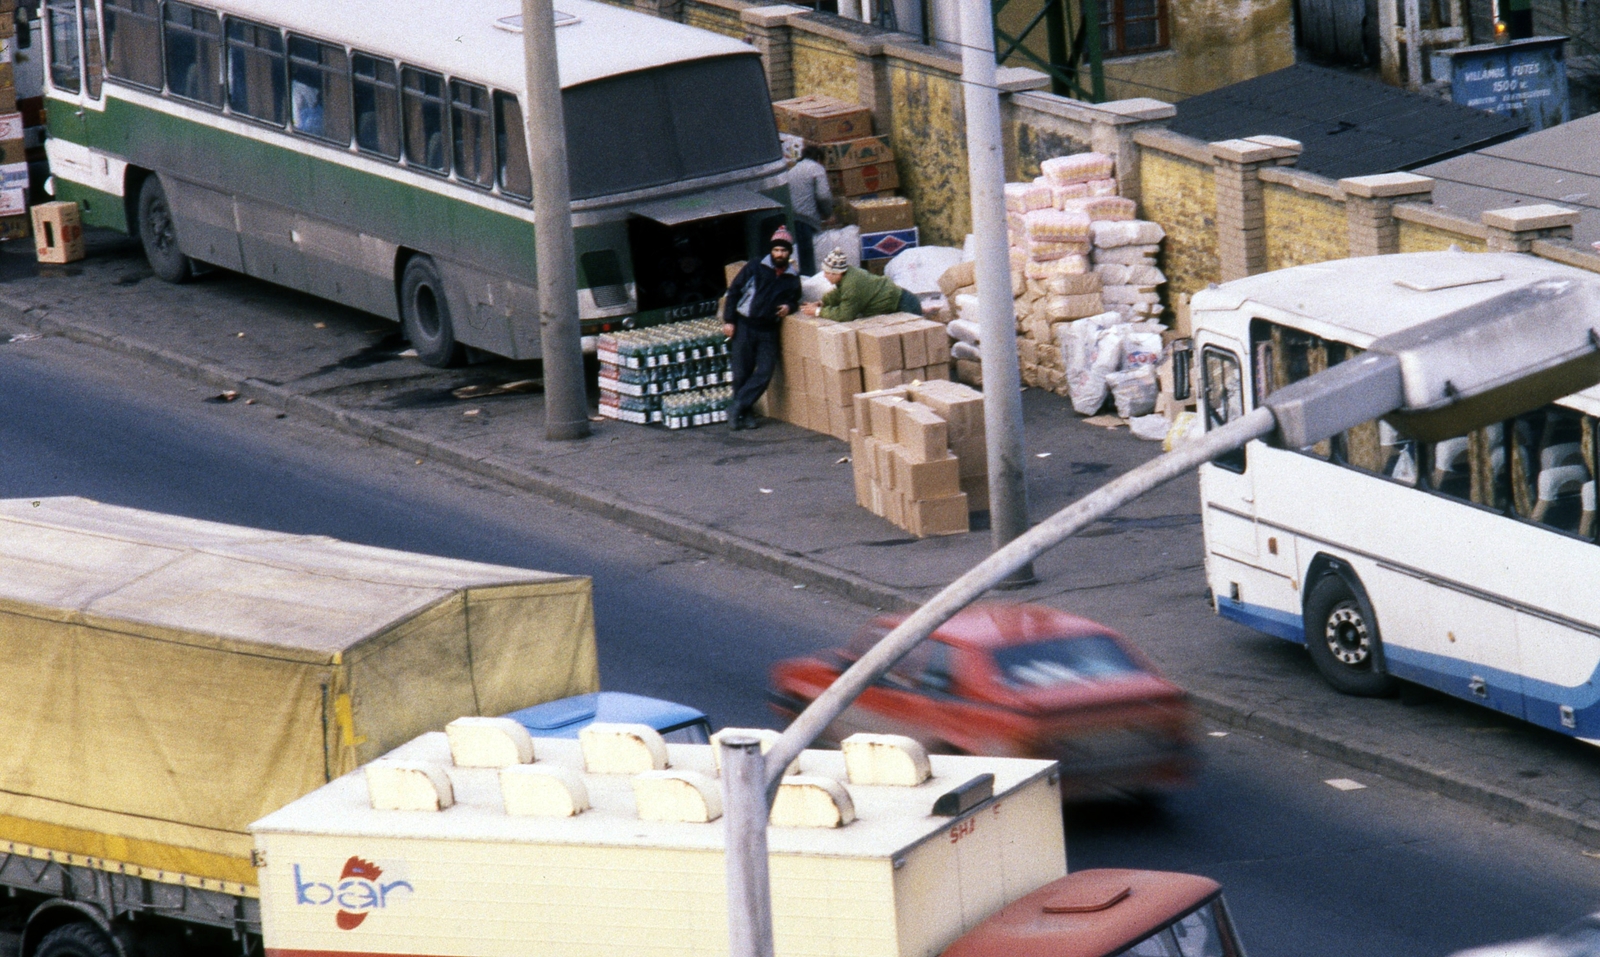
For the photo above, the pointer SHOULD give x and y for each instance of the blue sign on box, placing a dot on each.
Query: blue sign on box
(887, 245)
(1523, 79)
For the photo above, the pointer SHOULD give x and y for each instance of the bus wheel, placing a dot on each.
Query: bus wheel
(426, 315)
(78, 939)
(1342, 637)
(159, 235)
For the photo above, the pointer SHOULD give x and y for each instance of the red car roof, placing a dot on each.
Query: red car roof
(993, 625)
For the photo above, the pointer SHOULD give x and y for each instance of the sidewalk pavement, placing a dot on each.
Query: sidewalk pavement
(781, 499)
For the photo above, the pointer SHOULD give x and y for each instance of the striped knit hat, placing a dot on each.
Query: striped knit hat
(782, 238)
(836, 261)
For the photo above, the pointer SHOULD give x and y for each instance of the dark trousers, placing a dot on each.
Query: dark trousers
(754, 356)
(805, 241)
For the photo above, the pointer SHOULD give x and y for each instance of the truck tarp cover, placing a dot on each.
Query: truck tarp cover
(166, 681)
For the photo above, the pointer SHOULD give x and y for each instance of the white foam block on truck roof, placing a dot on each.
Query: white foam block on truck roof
(686, 796)
(812, 801)
(891, 759)
(622, 748)
(766, 736)
(408, 786)
(478, 742)
(543, 790)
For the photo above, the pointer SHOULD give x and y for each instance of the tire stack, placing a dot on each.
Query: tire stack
(675, 375)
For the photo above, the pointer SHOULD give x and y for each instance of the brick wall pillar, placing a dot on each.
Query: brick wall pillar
(767, 29)
(1513, 230)
(1369, 204)
(1111, 132)
(1241, 215)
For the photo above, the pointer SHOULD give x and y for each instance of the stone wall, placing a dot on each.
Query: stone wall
(1305, 220)
(1179, 192)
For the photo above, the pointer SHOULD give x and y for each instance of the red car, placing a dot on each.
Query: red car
(1019, 681)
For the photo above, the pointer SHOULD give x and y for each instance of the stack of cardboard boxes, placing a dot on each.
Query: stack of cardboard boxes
(919, 457)
(826, 364)
(861, 172)
(13, 151)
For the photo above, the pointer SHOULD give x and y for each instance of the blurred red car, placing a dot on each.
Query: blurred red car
(1019, 681)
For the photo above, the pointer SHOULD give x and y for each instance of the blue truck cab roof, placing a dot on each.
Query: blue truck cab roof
(678, 723)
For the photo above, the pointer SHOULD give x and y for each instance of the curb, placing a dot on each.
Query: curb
(674, 528)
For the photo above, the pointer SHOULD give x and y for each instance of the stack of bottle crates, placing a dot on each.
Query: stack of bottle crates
(675, 375)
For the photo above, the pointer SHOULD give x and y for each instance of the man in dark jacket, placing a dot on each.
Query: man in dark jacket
(758, 299)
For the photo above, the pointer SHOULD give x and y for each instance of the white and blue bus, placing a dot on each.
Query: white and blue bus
(373, 154)
(1469, 565)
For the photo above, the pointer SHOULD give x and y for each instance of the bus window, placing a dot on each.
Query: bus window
(1284, 357)
(256, 71)
(1224, 400)
(473, 146)
(319, 90)
(1552, 469)
(1472, 467)
(377, 98)
(194, 53)
(133, 42)
(61, 20)
(93, 65)
(422, 107)
(511, 148)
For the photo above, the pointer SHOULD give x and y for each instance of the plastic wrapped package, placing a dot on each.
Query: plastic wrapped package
(1103, 207)
(1130, 295)
(1102, 187)
(847, 238)
(966, 306)
(1080, 285)
(1057, 226)
(1040, 252)
(1141, 349)
(1070, 191)
(1185, 426)
(1017, 197)
(1065, 266)
(1151, 428)
(1129, 232)
(1080, 344)
(917, 270)
(965, 350)
(963, 330)
(1134, 391)
(1077, 168)
(1127, 255)
(1058, 308)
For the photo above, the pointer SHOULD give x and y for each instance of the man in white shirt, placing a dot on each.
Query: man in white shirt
(812, 202)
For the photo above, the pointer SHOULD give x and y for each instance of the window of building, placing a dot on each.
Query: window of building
(423, 110)
(377, 103)
(1132, 26)
(319, 90)
(61, 20)
(94, 65)
(474, 134)
(511, 149)
(256, 84)
(133, 41)
(193, 53)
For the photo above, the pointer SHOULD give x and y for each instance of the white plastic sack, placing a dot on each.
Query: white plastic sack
(967, 306)
(963, 350)
(1080, 343)
(847, 238)
(917, 270)
(1185, 426)
(1151, 428)
(963, 330)
(813, 288)
(1141, 349)
(1134, 391)
(1132, 232)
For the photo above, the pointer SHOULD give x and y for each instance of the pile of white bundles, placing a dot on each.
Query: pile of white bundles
(1108, 356)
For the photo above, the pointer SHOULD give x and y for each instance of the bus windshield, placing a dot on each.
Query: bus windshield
(668, 124)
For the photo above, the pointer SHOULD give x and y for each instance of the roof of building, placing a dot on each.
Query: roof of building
(1559, 165)
(468, 40)
(1348, 125)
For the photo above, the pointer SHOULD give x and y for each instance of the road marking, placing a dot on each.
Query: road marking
(1218, 734)
(1344, 784)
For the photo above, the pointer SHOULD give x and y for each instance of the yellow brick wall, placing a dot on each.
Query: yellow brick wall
(1303, 227)
(1037, 139)
(824, 67)
(1417, 238)
(930, 143)
(1181, 195)
(722, 21)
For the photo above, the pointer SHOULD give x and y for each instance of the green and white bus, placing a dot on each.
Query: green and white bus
(373, 154)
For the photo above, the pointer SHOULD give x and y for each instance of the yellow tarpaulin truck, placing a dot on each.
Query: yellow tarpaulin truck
(167, 681)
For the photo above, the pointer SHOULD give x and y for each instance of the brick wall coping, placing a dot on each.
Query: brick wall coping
(773, 15)
(1116, 112)
(736, 6)
(904, 47)
(1303, 182)
(1425, 215)
(1567, 255)
(1176, 144)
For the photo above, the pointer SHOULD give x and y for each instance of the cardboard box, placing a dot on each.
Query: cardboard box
(880, 349)
(864, 151)
(841, 421)
(939, 516)
(885, 380)
(836, 346)
(841, 386)
(878, 215)
(894, 507)
(938, 372)
(882, 417)
(920, 432)
(937, 342)
(13, 151)
(969, 372)
(822, 119)
(817, 412)
(863, 179)
(883, 464)
(863, 404)
(886, 245)
(921, 480)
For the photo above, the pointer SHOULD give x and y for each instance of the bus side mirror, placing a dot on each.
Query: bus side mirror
(1182, 369)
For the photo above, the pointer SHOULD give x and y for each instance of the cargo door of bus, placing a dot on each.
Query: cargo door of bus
(1227, 488)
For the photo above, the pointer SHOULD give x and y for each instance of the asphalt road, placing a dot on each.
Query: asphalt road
(1310, 869)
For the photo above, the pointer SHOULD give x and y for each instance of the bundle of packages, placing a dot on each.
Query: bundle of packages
(1058, 287)
(1106, 356)
(1027, 197)
(919, 456)
(679, 366)
(960, 286)
(1102, 208)
(1125, 259)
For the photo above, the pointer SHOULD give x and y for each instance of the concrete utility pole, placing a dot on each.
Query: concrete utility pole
(566, 405)
(997, 318)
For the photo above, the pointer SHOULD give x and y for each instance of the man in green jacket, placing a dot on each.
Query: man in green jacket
(857, 294)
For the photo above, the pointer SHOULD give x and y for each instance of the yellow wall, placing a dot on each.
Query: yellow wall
(713, 18)
(1303, 227)
(1417, 238)
(1180, 194)
(826, 67)
(930, 144)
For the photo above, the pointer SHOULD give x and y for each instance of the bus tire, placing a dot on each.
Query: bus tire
(425, 315)
(1342, 637)
(159, 234)
(78, 939)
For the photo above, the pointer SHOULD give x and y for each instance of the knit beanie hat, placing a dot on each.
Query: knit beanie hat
(836, 261)
(782, 238)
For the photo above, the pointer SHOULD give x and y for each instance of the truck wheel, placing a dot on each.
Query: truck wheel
(159, 234)
(425, 315)
(76, 940)
(1342, 637)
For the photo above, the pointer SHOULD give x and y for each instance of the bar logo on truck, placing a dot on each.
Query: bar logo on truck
(358, 892)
